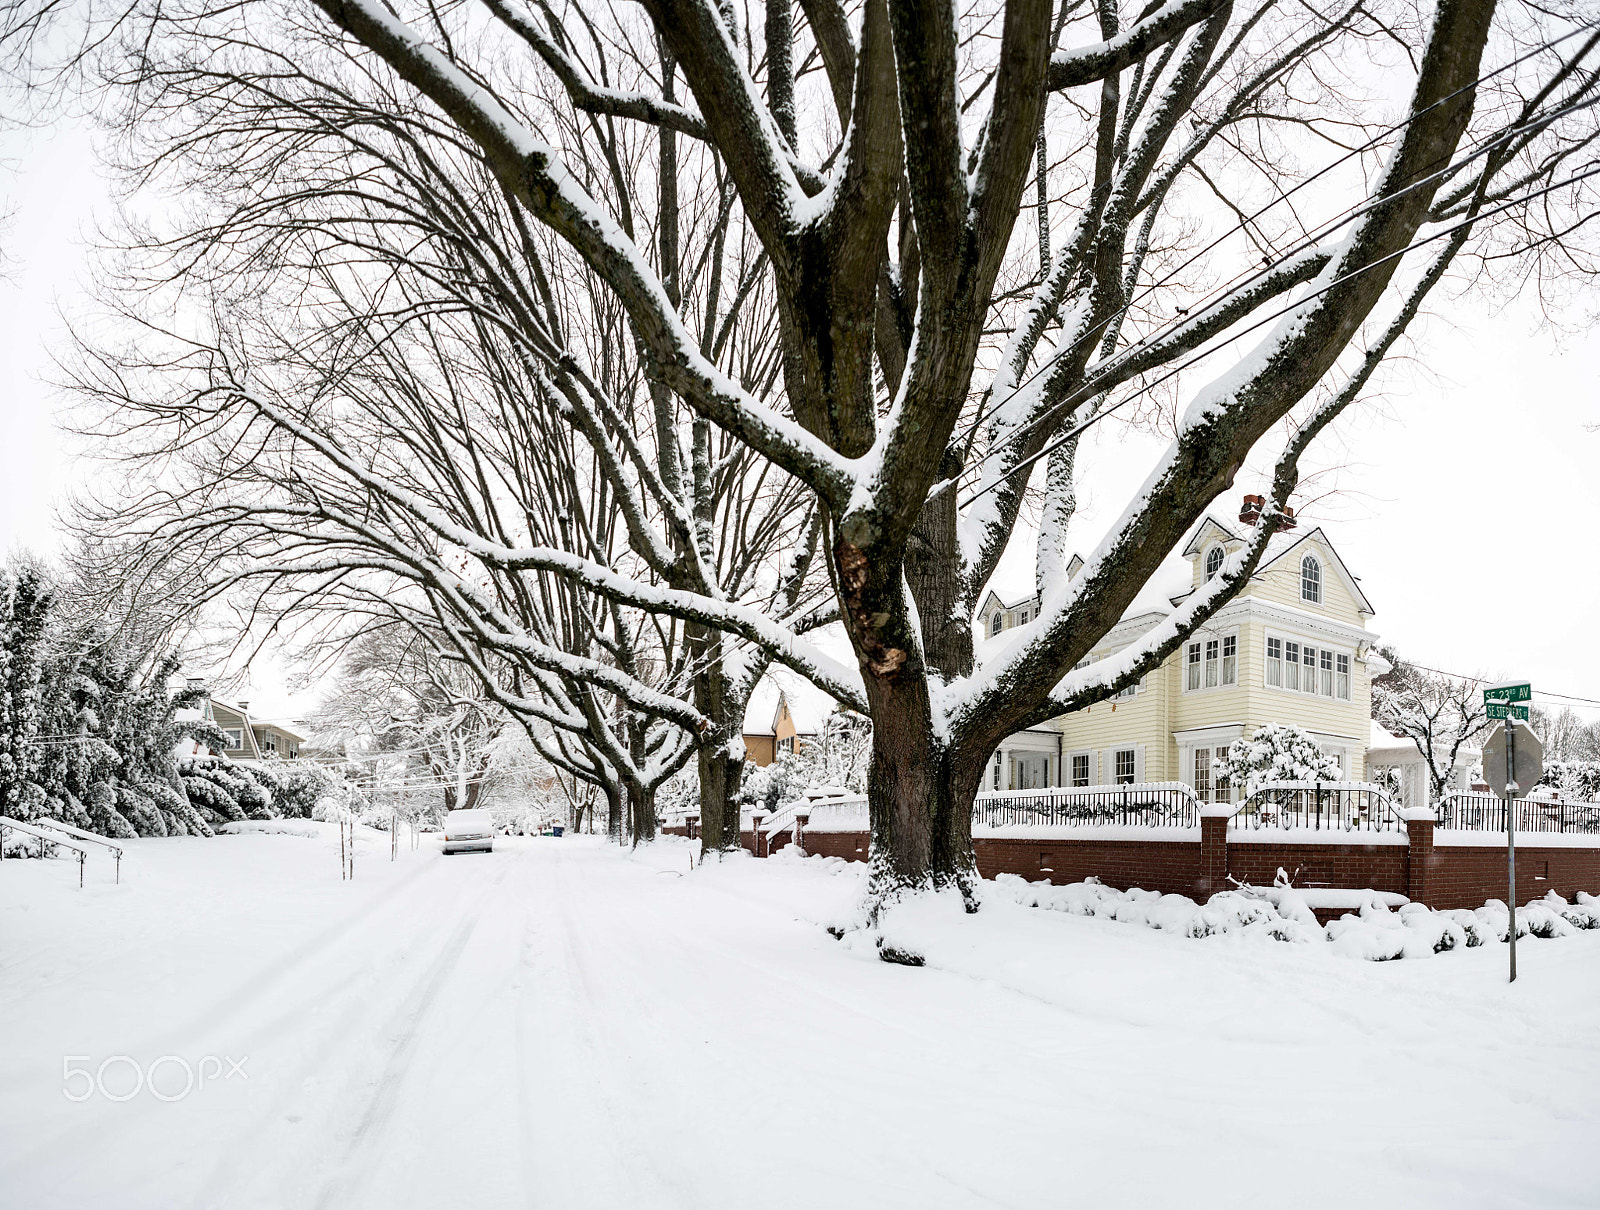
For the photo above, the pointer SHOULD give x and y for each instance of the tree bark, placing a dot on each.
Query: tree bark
(613, 793)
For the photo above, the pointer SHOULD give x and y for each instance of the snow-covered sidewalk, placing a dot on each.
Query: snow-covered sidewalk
(563, 1025)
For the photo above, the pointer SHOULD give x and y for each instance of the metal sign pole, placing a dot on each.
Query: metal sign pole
(1511, 840)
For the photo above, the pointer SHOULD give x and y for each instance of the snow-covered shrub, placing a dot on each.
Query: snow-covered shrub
(1375, 933)
(764, 789)
(1277, 752)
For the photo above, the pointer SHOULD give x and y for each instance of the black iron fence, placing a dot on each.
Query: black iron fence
(1319, 807)
(1148, 804)
(1486, 813)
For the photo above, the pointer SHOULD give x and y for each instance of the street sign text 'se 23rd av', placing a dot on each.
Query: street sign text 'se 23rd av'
(1509, 691)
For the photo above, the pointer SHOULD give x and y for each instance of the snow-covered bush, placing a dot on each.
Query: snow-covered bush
(1375, 933)
(1277, 752)
(763, 789)
(1578, 780)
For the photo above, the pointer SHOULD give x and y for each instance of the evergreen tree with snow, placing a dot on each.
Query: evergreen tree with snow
(1278, 752)
(25, 601)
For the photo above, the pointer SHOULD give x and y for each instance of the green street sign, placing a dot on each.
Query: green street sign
(1508, 691)
(1505, 710)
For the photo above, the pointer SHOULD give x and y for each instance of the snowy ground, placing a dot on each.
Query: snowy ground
(561, 1025)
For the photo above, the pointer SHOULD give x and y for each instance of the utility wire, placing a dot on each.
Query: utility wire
(1077, 430)
(1248, 277)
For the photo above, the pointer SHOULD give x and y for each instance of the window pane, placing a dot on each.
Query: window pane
(1124, 766)
(1311, 580)
(1274, 661)
(1080, 769)
(1308, 657)
(1202, 774)
(1211, 663)
(1344, 677)
(1325, 683)
(1230, 660)
(1291, 665)
(1213, 562)
(1221, 779)
(1194, 666)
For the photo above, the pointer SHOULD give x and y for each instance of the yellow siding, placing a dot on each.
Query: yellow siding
(1162, 707)
(1281, 586)
(1140, 719)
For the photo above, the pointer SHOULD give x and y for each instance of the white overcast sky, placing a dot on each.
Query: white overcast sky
(1468, 502)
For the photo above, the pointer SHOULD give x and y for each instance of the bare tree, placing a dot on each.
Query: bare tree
(1445, 715)
(931, 356)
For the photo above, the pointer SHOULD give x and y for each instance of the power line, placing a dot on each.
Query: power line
(1250, 276)
(1077, 430)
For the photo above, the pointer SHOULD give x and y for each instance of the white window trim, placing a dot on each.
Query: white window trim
(1206, 574)
(1067, 760)
(235, 737)
(1202, 638)
(1321, 645)
(1322, 581)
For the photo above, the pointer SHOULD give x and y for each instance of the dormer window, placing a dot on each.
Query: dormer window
(1311, 580)
(996, 624)
(1022, 618)
(1213, 562)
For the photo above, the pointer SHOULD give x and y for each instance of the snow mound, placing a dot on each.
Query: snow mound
(1384, 926)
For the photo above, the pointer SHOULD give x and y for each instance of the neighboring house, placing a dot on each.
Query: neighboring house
(1292, 647)
(1398, 760)
(248, 739)
(771, 724)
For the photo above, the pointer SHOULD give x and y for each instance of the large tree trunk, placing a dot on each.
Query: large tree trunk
(720, 759)
(720, 779)
(919, 794)
(613, 793)
(920, 797)
(641, 814)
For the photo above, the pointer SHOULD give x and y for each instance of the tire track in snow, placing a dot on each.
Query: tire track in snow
(223, 1187)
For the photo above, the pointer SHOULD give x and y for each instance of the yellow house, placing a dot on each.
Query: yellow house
(1292, 647)
(771, 725)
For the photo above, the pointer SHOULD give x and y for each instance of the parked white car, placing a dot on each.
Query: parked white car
(468, 832)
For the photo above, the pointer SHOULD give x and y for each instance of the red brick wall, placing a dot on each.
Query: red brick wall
(1171, 867)
(1463, 877)
(1454, 876)
(852, 846)
(1381, 867)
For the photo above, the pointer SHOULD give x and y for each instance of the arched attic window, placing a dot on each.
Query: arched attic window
(996, 623)
(1311, 580)
(1213, 561)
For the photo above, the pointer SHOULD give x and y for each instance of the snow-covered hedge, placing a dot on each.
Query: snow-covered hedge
(1375, 932)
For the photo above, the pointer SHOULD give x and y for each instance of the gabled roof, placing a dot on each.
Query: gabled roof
(1208, 529)
(1026, 599)
(1350, 582)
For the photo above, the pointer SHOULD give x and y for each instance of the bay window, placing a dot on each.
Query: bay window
(1291, 665)
(1230, 659)
(1343, 680)
(1275, 662)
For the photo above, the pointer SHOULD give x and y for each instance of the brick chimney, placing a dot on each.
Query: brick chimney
(1250, 512)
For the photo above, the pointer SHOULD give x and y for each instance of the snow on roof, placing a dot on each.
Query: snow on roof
(762, 708)
(1384, 741)
(808, 705)
(1173, 578)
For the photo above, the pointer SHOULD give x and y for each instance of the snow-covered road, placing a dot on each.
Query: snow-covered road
(561, 1025)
